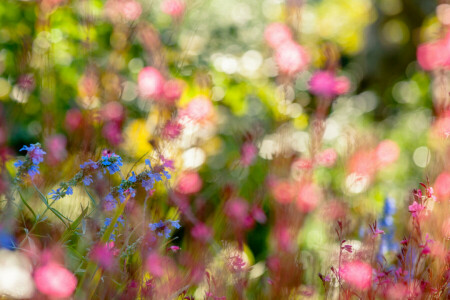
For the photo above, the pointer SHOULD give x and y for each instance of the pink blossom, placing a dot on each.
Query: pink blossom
(173, 8)
(309, 196)
(387, 152)
(201, 232)
(277, 34)
(151, 83)
(171, 130)
(56, 145)
(291, 58)
(74, 119)
(237, 210)
(258, 215)
(303, 164)
(283, 191)
(442, 186)
(111, 131)
(172, 90)
(415, 209)
(326, 84)
(327, 157)
(357, 273)
(434, 55)
(128, 10)
(103, 255)
(54, 280)
(199, 109)
(113, 111)
(363, 163)
(248, 153)
(189, 183)
(155, 264)
(173, 248)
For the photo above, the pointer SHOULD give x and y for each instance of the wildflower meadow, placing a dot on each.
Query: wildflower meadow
(224, 149)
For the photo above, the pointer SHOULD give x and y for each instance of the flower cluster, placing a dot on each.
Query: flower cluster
(164, 228)
(34, 156)
(387, 224)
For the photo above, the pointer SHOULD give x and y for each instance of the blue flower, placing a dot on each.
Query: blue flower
(6, 240)
(147, 184)
(107, 222)
(69, 191)
(167, 174)
(389, 206)
(112, 163)
(35, 153)
(87, 180)
(110, 202)
(155, 176)
(133, 177)
(33, 170)
(18, 163)
(175, 224)
(55, 195)
(89, 164)
(156, 226)
(147, 162)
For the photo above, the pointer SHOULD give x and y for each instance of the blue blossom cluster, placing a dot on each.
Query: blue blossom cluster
(164, 228)
(34, 156)
(108, 221)
(387, 224)
(60, 193)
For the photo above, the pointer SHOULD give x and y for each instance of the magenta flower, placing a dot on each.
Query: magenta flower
(325, 84)
(150, 83)
(201, 232)
(189, 183)
(415, 209)
(357, 273)
(55, 281)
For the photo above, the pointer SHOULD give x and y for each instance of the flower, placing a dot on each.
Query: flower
(309, 196)
(291, 58)
(415, 209)
(87, 180)
(357, 273)
(201, 232)
(189, 183)
(173, 8)
(55, 281)
(150, 83)
(55, 195)
(35, 153)
(248, 153)
(325, 84)
(277, 34)
(89, 164)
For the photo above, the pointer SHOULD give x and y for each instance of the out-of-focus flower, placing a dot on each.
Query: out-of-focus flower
(237, 210)
(303, 164)
(189, 183)
(15, 275)
(172, 90)
(442, 186)
(54, 280)
(415, 209)
(111, 131)
(171, 130)
(309, 196)
(325, 84)
(127, 10)
(387, 152)
(277, 34)
(199, 109)
(103, 255)
(201, 232)
(174, 8)
(155, 264)
(35, 153)
(74, 119)
(291, 58)
(248, 153)
(283, 191)
(357, 273)
(151, 83)
(434, 55)
(327, 157)
(56, 145)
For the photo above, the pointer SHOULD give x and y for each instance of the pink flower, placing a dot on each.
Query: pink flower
(309, 196)
(155, 264)
(171, 130)
(173, 248)
(199, 109)
(128, 10)
(201, 232)
(237, 210)
(442, 185)
(363, 163)
(74, 119)
(248, 153)
(327, 157)
(434, 55)
(291, 58)
(387, 152)
(172, 91)
(326, 84)
(56, 145)
(151, 83)
(415, 209)
(113, 111)
(283, 191)
(277, 34)
(303, 164)
(357, 273)
(189, 183)
(54, 280)
(103, 255)
(111, 132)
(174, 8)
